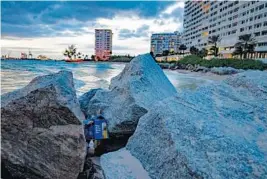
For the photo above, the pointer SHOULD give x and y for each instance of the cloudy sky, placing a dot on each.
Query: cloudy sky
(47, 27)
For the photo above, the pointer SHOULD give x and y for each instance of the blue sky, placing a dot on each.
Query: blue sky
(47, 27)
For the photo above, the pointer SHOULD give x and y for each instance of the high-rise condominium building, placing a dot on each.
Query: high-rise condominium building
(229, 20)
(165, 41)
(103, 44)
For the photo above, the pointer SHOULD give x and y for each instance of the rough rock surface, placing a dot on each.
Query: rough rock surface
(198, 68)
(42, 136)
(84, 100)
(122, 165)
(131, 93)
(92, 169)
(202, 69)
(225, 70)
(218, 131)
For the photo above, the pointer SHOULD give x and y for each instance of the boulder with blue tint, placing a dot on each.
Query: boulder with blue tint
(217, 131)
(42, 136)
(141, 84)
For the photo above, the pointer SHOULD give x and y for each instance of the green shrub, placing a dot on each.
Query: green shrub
(215, 62)
(190, 59)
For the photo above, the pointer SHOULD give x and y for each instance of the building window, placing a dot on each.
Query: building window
(264, 32)
(262, 44)
(257, 34)
(257, 25)
(241, 29)
(261, 6)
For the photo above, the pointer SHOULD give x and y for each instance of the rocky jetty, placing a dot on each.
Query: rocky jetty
(217, 131)
(42, 136)
(215, 70)
(141, 84)
(198, 68)
(225, 70)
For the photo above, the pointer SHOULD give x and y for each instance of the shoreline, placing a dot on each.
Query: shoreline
(206, 75)
(54, 60)
(201, 69)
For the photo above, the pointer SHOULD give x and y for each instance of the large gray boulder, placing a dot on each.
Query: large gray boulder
(217, 131)
(141, 84)
(42, 136)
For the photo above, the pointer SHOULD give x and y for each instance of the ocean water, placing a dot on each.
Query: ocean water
(16, 74)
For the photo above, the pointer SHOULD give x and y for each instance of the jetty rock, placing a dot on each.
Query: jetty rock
(141, 84)
(42, 134)
(217, 131)
(84, 100)
(225, 70)
(121, 164)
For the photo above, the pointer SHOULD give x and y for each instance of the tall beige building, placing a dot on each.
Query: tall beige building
(165, 41)
(229, 20)
(103, 44)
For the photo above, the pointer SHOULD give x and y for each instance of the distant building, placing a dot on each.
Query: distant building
(23, 55)
(229, 20)
(165, 41)
(103, 44)
(169, 58)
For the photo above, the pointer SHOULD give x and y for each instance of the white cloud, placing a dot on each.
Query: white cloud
(173, 7)
(85, 38)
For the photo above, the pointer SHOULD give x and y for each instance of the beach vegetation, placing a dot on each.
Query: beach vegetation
(70, 52)
(214, 40)
(182, 48)
(193, 50)
(223, 62)
(245, 45)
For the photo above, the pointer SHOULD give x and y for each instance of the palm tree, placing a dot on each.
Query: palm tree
(70, 52)
(182, 48)
(238, 51)
(214, 40)
(165, 53)
(203, 53)
(92, 57)
(193, 50)
(79, 54)
(246, 43)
